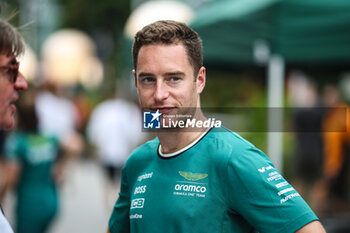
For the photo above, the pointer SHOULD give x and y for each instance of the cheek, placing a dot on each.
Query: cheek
(5, 93)
(2, 104)
(7, 119)
(6, 113)
(145, 93)
(190, 94)
(2, 96)
(2, 116)
(144, 97)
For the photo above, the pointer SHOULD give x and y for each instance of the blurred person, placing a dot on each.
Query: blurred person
(307, 124)
(33, 167)
(336, 137)
(202, 180)
(114, 130)
(11, 82)
(49, 103)
(58, 117)
(57, 114)
(83, 107)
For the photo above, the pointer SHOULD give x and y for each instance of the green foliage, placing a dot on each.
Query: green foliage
(10, 10)
(233, 89)
(88, 14)
(239, 100)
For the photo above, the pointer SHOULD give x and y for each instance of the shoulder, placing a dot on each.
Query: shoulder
(53, 141)
(230, 149)
(14, 143)
(140, 158)
(228, 142)
(226, 137)
(15, 138)
(144, 152)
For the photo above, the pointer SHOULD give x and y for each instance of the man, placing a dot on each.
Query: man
(204, 180)
(11, 81)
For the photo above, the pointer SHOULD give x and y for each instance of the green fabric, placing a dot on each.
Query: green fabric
(37, 198)
(312, 31)
(221, 184)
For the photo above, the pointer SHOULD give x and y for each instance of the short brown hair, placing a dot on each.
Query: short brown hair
(170, 32)
(11, 42)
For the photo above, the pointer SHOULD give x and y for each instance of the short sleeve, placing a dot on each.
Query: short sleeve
(259, 193)
(119, 220)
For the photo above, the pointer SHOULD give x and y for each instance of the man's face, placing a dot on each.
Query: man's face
(165, 81)
(9, 90)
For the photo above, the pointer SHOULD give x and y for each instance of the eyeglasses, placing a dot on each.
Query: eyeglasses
(10, 71)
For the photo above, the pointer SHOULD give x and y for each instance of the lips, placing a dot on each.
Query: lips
(14, 98)
(13, 107)
(163, 110)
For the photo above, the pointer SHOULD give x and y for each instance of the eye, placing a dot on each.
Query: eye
(147, 80)
(7, 71)
(174, 79)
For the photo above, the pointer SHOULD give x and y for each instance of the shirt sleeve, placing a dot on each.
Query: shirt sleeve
(259, 193)
(119, 220)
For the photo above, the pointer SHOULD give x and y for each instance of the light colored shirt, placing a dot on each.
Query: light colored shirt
(57, 115)
(115, 130)
(4, 224)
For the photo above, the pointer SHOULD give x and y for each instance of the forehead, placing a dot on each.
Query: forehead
(161, 54)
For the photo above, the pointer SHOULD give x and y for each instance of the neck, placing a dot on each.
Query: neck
(173, 140)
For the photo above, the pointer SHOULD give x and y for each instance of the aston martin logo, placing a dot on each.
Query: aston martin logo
(192, 176)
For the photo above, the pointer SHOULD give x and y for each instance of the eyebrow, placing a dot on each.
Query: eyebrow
(145, 74)
(178, 73)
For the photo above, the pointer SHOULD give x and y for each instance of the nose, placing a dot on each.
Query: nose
(21, 83)
(161, 93)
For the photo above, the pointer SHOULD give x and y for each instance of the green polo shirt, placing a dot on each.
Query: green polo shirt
(220, 183)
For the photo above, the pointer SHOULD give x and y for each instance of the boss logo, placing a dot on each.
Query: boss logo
(140, 189)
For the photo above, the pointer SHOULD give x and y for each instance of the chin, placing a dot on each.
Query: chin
(8, 124)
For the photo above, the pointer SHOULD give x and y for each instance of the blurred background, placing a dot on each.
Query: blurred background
(278, 73)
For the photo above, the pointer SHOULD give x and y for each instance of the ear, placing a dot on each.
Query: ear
(135, 78)
(201, 78)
